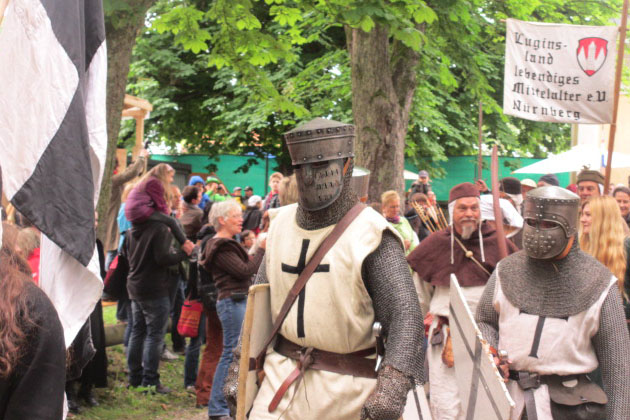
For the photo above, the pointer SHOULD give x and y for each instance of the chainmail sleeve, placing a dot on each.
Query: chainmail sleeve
(486, 317)
(612, 345)
(261, 276)
(388, 280)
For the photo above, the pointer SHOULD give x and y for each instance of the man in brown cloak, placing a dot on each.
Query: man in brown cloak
(468, 249)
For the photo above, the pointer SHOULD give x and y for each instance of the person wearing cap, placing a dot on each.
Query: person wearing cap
(590, 184)
(236, 194)
(249, 191)
(527, 185)
(422, 184)
(468, 249)
(213, 190)
(549, 179)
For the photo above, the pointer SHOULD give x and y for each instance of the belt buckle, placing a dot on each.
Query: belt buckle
(528, 380)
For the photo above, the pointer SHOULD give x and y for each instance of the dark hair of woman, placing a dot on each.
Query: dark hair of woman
(14, 311)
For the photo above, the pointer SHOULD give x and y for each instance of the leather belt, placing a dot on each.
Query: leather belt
(528, 382)
(355, 364)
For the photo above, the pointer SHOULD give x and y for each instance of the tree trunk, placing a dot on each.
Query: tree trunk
(383, 85)
(121, 29)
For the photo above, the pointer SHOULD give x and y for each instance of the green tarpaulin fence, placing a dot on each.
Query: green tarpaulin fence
(457, 168)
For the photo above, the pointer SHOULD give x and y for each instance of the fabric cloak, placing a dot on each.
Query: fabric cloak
(431, 259)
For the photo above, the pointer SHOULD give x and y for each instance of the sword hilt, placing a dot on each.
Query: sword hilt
(377, 330)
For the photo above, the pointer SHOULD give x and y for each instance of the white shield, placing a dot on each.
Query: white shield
(257, 327)
(482, 392)
(417, 403)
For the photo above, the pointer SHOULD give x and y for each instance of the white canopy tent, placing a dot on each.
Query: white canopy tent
(410, 175)
(574, 159)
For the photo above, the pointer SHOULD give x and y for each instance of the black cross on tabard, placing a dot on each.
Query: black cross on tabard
(538, 333)
(322, 268)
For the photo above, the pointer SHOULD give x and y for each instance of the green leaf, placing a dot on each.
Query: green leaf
(366, 24)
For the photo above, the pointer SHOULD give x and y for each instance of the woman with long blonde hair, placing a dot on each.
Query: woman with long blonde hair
(602, 235)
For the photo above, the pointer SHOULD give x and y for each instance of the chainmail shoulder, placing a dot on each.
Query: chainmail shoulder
(312, 220)
(486, 317)
(612, 345)
(388, 280)
(561, 287)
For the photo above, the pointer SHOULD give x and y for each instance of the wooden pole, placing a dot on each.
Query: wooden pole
(613, 124)
(480, 141)
(496, 205)
(139, 137)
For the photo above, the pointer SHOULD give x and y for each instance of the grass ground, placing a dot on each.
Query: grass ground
(119, 403)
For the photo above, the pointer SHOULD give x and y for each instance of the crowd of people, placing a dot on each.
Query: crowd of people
(205, 244)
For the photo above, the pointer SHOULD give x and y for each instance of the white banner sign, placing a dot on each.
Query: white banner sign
(559, 73)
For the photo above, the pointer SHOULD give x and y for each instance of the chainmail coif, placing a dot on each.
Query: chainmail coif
(562, 287)
(611, 343)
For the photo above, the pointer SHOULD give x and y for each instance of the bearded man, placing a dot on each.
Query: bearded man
(363, 278)
(468, 249)
(557, 312)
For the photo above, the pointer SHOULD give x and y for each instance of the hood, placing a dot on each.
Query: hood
(195, 179)
(213, 245)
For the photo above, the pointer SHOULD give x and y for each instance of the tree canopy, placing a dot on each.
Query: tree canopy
(232, 76)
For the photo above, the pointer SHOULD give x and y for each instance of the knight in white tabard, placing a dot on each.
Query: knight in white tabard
(468, 249)
(558, 313)
(323, 363)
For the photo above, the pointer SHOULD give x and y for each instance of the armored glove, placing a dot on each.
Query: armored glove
(387, 402)
(230, 386)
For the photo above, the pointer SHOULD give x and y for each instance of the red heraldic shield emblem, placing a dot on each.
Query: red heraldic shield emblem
(591, 54)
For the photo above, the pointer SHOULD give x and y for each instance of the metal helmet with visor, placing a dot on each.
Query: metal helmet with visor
(551, 218)
(319, 151)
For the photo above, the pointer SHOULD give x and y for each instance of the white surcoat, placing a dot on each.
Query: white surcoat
(546, 345)
(336, 315)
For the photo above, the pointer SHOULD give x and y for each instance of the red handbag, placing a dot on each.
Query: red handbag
(188, 325)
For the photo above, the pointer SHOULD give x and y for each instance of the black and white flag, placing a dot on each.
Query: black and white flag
(53, 139)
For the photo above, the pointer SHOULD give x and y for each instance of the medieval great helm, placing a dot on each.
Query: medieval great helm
(551, 216)
(319, 150)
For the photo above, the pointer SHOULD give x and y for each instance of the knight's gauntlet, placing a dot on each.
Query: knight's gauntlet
(387, 402)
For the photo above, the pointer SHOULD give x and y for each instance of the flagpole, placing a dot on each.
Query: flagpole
(613, 124)
(480, 141)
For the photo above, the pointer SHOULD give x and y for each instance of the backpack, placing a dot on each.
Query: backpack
(205, 283)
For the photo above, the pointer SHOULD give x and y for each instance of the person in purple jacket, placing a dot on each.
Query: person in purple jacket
(148, 201)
